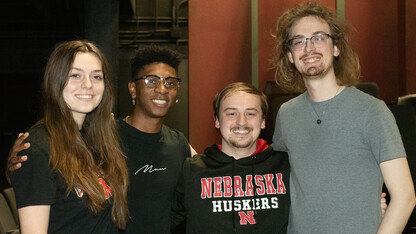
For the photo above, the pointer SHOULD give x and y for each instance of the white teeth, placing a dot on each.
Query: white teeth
(159, 101)
(84, 96)
(311, 60)
(241, 131)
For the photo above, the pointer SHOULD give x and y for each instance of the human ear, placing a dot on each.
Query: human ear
(290, 56)
(337, 52)
(217, 122)
(132, 89)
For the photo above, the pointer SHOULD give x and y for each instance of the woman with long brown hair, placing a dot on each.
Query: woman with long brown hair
(75, 179)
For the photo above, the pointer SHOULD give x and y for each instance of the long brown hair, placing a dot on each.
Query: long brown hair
(81, 156)
(346, 65)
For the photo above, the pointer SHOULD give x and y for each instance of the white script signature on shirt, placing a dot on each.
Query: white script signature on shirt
(149, 168)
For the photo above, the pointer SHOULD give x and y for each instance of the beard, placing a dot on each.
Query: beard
(239, 142)
(314, 72)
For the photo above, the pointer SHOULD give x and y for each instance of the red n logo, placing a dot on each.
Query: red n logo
(106, 188)
(249, 217)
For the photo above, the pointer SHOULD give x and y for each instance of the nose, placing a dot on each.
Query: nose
(309, 45)
(242, 120)
(161, 88)
(87, 83)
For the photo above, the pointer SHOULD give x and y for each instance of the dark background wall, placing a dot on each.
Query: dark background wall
(219, 54)
(29, 30)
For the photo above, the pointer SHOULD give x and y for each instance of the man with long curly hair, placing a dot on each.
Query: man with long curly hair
(342, 143)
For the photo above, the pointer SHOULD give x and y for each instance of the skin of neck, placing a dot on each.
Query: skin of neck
(322, 88)
(79, 119)
(145, 123)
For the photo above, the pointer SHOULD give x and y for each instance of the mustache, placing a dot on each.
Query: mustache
(311, 54)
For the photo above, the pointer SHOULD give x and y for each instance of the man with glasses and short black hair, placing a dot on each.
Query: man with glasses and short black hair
(342, 143)
(155, 153)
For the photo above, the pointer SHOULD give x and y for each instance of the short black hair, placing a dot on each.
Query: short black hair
(153, 54)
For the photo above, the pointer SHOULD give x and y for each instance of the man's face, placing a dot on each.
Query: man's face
(240, 120)
(313, 61)
(154, 102)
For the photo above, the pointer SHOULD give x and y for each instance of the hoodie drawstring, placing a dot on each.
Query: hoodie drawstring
(253, 174)
(233, 216)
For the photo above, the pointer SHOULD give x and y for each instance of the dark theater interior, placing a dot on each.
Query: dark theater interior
(222, 41)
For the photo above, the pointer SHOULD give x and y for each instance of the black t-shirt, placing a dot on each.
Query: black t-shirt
(155, 161)
(36, 184)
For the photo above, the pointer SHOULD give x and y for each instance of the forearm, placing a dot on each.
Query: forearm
(34, 219)
(396, 175)
(14, 162)
(397, 215)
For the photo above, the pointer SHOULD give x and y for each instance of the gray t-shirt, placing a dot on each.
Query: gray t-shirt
(335, 178)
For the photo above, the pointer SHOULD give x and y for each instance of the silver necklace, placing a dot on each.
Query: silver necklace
(319, 118)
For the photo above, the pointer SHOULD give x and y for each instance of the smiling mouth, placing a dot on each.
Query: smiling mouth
(84, 96)
(159, 102)
(240, 131)
(311, 60)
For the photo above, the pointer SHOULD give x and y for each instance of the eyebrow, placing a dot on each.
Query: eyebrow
(313, 34)
(81, 70)
(247, 109)
(252, 109)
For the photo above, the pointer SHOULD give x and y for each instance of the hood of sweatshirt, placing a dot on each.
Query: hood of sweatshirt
(214, 157)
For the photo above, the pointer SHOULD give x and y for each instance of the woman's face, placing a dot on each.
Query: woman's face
(85, 86)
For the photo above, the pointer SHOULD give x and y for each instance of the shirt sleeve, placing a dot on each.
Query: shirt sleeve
(382, 134)
(34, 182)
(278, 142)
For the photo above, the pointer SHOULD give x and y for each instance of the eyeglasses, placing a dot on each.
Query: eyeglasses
(153, 81)
(317, 40)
